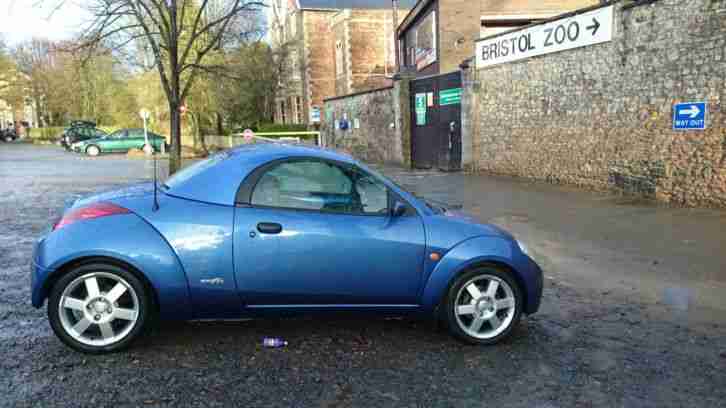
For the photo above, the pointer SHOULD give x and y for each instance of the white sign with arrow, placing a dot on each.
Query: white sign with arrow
(592, 27)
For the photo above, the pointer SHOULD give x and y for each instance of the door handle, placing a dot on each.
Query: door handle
(269, 228)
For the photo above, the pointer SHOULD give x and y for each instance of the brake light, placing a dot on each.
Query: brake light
(96, 210)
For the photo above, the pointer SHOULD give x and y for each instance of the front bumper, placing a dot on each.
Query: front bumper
(534, 289)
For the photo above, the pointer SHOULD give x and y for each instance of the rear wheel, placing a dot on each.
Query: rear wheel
(93, 150)
(98, 308)
(483, 306)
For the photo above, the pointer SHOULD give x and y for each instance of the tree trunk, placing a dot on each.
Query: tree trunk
(220, 130)
(175, 130)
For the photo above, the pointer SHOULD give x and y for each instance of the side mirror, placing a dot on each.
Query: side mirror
(398, 209)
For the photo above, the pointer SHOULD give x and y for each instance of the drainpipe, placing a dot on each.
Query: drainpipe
(395, 32)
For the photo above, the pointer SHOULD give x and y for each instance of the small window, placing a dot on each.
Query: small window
(338, 58)
(320, 186)
(298, 109)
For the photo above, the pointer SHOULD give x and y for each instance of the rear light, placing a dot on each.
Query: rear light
(96, 210)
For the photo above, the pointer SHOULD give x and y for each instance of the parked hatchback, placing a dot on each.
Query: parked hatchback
(120, 141)
(78, 131)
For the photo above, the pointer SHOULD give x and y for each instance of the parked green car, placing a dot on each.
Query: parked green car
(119, 141)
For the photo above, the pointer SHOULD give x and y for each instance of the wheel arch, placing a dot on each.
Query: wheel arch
(474, 253)
(69, 265)
(140, 248)
(481, 263)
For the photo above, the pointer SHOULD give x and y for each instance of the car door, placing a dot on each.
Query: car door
(135, 139)
(319, 233)
(114, 142)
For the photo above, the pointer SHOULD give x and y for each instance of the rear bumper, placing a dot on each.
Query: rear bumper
(38, 275)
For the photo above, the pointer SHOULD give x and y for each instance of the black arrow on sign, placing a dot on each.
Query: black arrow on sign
(595, 26)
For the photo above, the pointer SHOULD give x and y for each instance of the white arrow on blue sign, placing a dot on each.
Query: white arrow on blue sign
(689, 116)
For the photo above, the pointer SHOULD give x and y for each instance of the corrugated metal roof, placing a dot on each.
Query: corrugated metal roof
(354, 4)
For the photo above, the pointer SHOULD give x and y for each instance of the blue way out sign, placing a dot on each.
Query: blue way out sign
(689, 116)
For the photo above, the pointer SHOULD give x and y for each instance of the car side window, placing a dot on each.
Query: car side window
(321, 186)
(372, 193)
(136, 133)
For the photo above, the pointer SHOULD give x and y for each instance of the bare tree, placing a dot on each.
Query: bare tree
(181, 35)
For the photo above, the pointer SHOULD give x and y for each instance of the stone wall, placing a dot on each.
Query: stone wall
(601, 116)
(372, 135)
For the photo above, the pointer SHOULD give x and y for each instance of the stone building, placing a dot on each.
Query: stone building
(437, 35)
(330, 48)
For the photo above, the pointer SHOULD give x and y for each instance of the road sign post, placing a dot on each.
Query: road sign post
(690, 116)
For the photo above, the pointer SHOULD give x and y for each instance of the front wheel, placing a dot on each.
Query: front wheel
(98, 308)
(483, 306)
(148, 149)
(93, 151)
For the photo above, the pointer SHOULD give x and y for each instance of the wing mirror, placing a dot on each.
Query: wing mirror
(398, 209)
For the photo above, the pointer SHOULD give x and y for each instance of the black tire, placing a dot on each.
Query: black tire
(145, 305)
(449, 304)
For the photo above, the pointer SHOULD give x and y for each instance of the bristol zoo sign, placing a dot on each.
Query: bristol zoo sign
(592, 27)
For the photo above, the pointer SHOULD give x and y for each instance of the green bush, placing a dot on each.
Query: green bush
(46, 133)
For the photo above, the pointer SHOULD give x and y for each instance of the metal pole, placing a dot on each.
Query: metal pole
(395, 35)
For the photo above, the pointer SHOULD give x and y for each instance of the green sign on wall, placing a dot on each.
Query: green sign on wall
(420, 109)
(450, 96)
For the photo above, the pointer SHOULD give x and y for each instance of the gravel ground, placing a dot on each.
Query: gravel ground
(589, 346)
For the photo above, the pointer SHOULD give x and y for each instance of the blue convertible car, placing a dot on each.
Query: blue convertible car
(270, 229)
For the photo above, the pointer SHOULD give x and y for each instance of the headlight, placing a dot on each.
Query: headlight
(523, 247)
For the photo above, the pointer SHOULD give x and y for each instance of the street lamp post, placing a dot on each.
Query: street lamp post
(148, 149)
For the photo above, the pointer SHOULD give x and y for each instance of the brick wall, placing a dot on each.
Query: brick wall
(367, 54)
(371, 49)
(459, 23)
(319, 56)
(513, 7)
(601, 116)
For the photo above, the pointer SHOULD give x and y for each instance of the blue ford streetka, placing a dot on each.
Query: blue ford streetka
(271, 229)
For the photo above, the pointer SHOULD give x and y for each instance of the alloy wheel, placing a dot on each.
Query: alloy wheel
(485, 306)
(98, 309)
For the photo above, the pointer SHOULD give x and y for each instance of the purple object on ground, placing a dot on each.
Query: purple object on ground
(273, 342)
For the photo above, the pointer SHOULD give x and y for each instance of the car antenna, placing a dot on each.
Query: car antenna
(155, 207)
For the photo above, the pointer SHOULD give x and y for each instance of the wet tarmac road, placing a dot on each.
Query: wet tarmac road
(631, 314)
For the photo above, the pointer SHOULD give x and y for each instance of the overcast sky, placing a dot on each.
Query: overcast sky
(23, 19)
